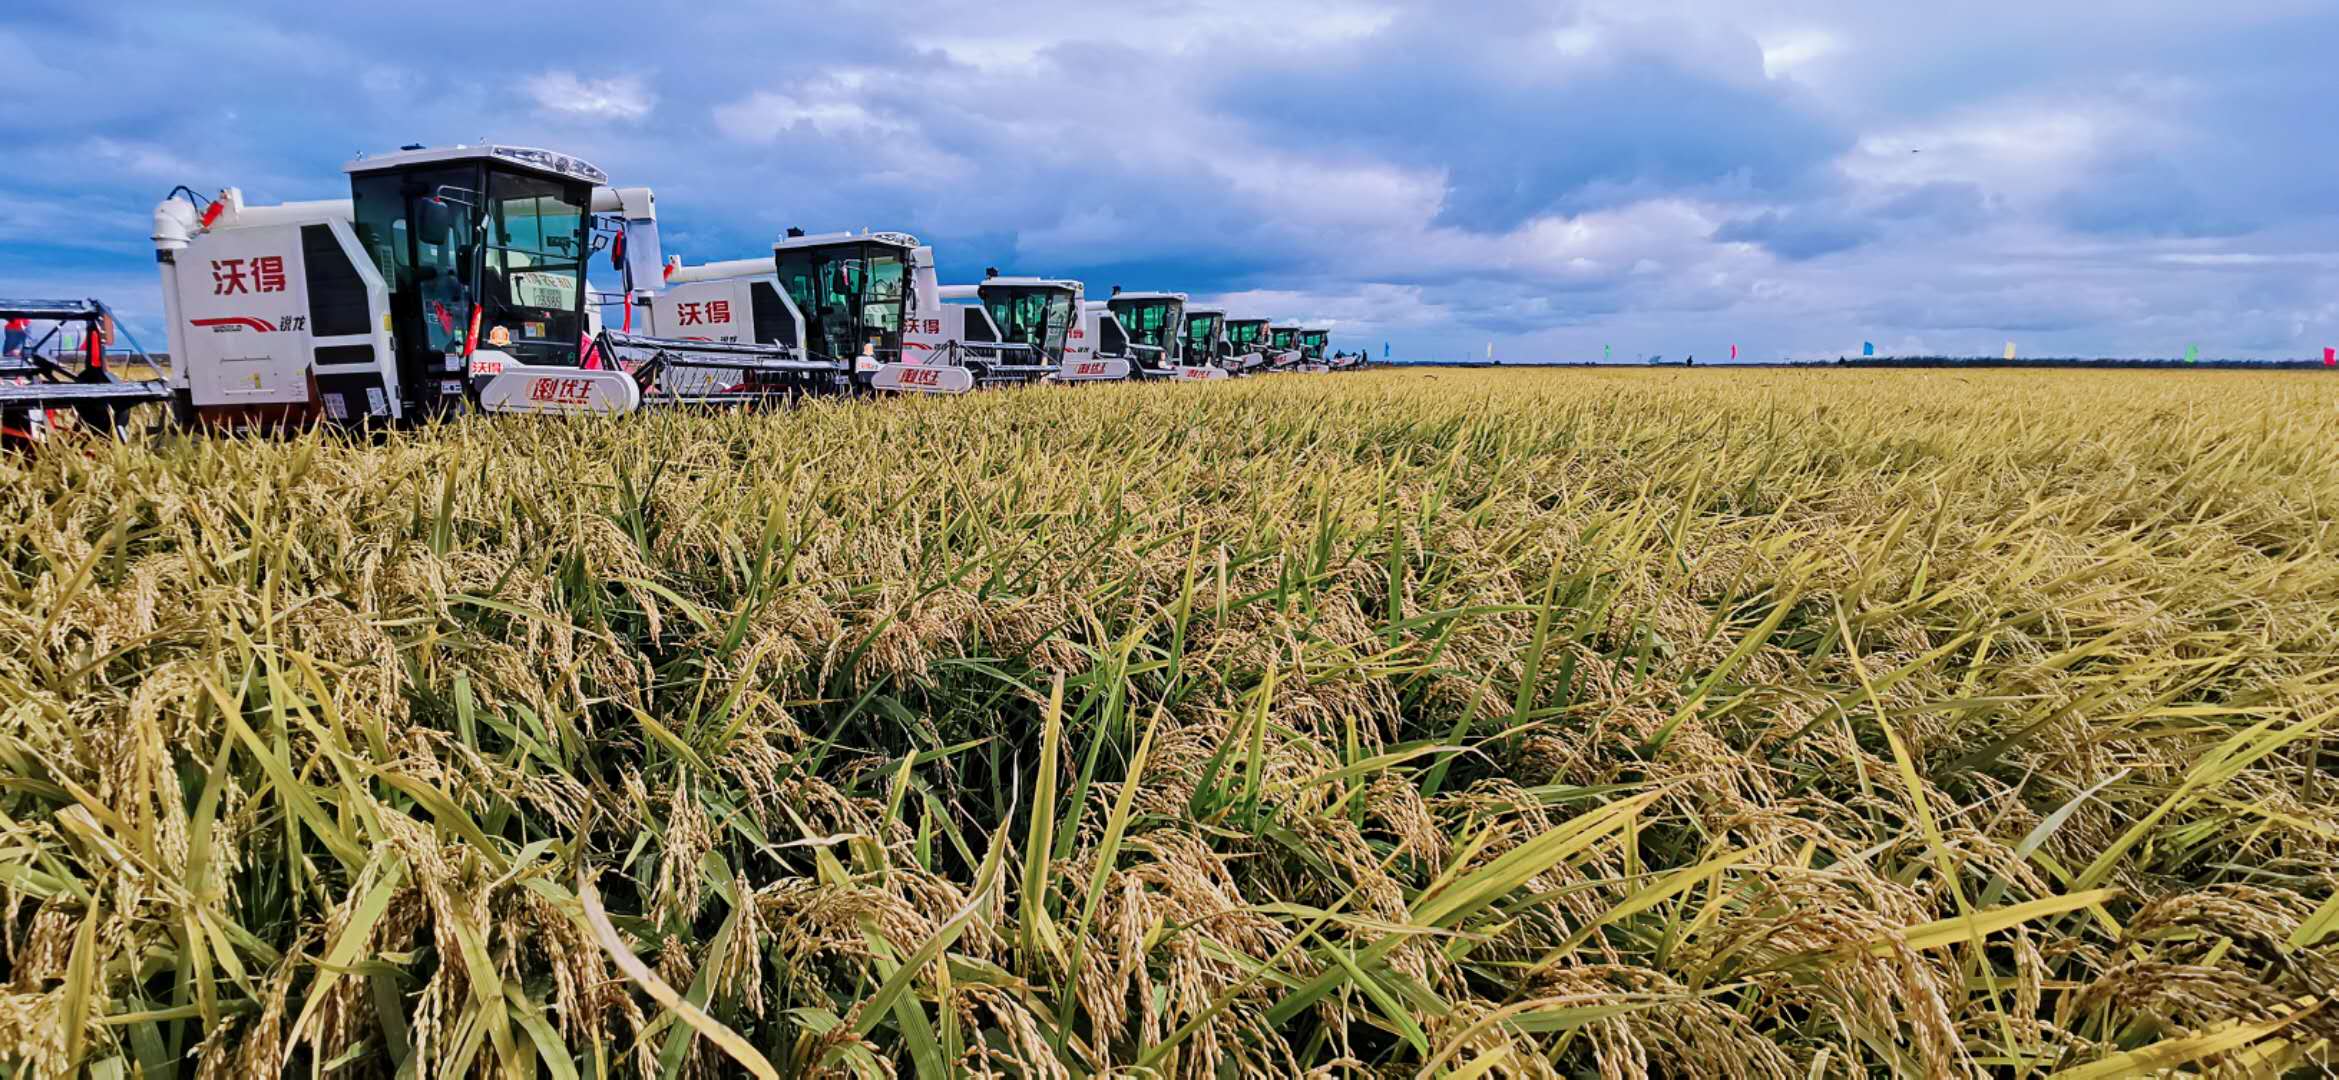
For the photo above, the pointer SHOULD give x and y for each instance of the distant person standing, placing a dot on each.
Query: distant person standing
(18, 331)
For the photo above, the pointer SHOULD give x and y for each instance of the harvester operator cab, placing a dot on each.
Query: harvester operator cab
(1156, 323)
(1206, 337)
(853, 290)
(1313, 343)
(1283, 338)
(480, 248)
(1042, 313)
(1246, 341)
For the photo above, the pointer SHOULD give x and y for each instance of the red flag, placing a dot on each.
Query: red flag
(2331, 357)
(1733, 352)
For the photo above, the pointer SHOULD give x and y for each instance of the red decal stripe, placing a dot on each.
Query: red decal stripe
(237, 320)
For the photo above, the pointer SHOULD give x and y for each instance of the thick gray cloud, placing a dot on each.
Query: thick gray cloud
(1800, 234)
(1662, 176)
(1531, 109)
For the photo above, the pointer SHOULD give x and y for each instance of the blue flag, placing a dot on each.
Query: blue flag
(1384, 350)
(1867, 348)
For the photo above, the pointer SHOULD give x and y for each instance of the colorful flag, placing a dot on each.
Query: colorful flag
(2330, 357)
(1733, 352)
(2192, 354)
(1384, 350)
(2009, 350)
(1867, 348)
(1608, 352)
(1490, 350)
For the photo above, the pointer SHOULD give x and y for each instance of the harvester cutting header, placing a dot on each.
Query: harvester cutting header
(456, 278)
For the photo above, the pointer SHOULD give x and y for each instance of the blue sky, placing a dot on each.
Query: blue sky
(1663, 176)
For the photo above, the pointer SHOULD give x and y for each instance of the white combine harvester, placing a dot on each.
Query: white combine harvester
(864, 305)
(1205, 335)
(1053, 318)
(1313, 343)
(449, 276)
(1155, 323)
(1283, 347)
(1247, 340)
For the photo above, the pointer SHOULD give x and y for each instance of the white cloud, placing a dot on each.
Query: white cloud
(620, 97)
(766, 115)
(1791, 53)
(144, 159)
(1011, 36)
(1371, 308)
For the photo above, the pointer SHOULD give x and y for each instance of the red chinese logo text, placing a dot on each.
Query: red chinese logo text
(232, 276)
(713, 311)
(560, 392)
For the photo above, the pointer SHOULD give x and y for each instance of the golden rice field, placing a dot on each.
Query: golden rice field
(1568, 723)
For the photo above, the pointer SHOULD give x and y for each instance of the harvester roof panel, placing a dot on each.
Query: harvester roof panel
(891, 239)
(548, 162)
(1033, 282)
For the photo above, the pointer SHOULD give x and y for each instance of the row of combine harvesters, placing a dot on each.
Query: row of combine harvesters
(454, 280)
